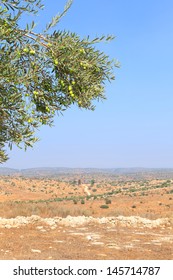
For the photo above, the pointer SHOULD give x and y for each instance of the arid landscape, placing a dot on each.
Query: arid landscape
(86, 214)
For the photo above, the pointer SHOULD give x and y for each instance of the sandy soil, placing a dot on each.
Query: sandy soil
(88, 241)
(136, 225)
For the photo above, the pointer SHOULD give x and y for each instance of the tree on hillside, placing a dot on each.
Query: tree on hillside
(42, 74)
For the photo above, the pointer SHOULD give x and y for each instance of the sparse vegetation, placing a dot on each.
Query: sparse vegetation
(33, 194)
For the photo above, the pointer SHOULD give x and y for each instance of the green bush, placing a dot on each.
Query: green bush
(104, 206)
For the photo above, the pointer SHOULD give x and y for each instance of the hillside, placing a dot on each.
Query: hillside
(130, 173)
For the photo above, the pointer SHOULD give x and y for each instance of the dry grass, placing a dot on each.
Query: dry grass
(42, 209)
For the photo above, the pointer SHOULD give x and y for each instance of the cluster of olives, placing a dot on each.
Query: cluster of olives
(29, 51)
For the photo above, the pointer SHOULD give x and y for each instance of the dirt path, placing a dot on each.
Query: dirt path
(86, 190)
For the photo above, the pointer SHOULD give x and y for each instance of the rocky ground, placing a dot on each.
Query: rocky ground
(86, 238)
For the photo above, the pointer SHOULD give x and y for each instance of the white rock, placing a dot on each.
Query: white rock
(35, 251)
(88, 237)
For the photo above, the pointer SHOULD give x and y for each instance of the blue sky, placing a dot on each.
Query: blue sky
(134, 126)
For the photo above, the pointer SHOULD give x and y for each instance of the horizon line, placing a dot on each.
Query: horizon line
(67, 167)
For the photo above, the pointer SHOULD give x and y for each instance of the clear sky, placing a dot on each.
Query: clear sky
(134, 126)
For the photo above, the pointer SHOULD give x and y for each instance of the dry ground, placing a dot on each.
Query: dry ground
(25, 197)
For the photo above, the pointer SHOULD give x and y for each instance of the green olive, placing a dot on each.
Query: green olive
(32, 52)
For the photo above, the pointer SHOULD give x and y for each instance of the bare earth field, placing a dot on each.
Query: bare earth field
(57, 219)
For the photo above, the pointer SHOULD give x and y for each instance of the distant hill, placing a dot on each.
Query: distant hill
(8, 171)
(57, 171)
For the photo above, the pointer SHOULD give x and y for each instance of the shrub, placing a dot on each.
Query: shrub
(132, 190)
(92, 182)
(82, 201)
(110, 193)
(104, 206)
(75, 201)
(108, 201)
